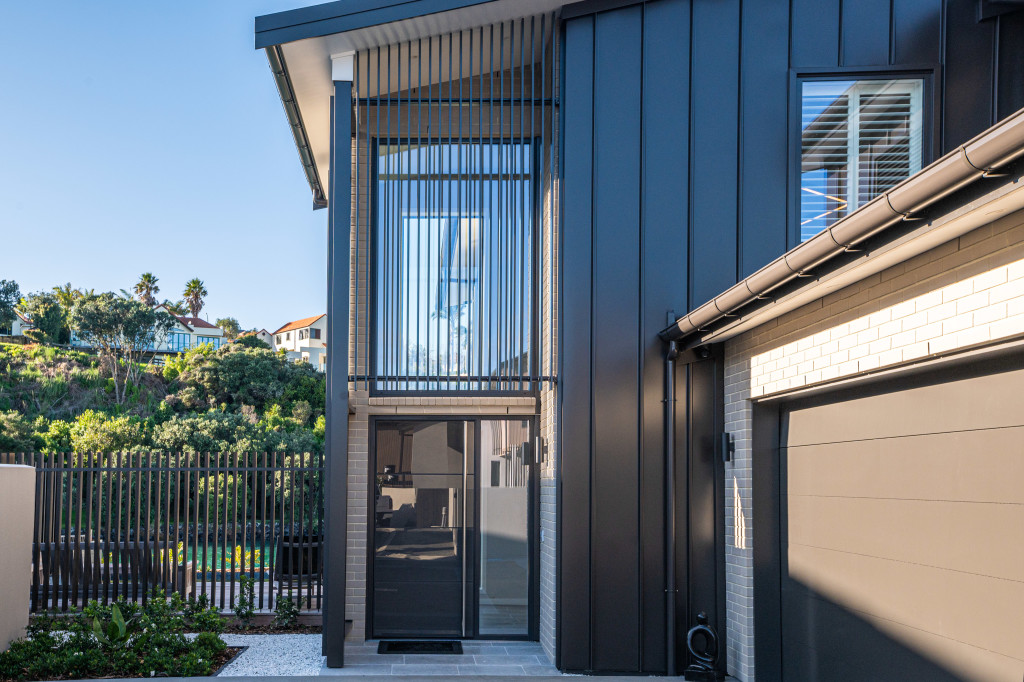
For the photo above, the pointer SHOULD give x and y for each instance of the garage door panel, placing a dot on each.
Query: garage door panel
(980, 466)
(825, 641)
(984, 539)
(974, 403)
(950, 604)
(902, 529)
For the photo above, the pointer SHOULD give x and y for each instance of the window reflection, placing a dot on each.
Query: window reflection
(453, 265)
(859, 138)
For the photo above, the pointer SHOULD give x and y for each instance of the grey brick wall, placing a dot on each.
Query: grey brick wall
(966, 292)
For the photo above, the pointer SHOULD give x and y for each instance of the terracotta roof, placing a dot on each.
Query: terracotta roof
(196, 322)
(300, 324)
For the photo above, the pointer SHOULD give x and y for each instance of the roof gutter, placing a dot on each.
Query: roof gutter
(275, 56)
(978, 158)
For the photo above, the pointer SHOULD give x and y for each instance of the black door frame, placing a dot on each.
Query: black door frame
(533, 521)
(700, 496)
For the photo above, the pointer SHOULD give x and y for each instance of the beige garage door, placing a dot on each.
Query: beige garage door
(902, 530)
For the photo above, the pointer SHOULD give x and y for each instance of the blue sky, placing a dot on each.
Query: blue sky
(137, 136)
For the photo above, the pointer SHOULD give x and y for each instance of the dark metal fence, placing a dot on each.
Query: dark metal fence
(110, 526)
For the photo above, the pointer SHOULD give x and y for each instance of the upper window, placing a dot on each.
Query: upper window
(314, 333)
(454, 258)
(858, 138)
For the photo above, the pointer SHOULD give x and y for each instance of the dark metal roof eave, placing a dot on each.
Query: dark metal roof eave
(275, 58)
(969, 162)
(345, 15)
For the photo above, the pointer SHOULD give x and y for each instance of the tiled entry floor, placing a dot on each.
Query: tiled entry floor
(525, 659)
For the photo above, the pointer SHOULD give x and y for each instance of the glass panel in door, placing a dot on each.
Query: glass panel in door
(504, 594)
(420, 530)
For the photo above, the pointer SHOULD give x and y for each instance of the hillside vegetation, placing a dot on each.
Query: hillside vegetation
(238, 398)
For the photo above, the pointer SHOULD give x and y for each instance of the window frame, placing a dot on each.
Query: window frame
(531, 388)
(929, 74)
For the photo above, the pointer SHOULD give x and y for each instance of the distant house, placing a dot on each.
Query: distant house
(304, 340)
(20, 324)
(186, 333)
(198, 331)
(263, 335)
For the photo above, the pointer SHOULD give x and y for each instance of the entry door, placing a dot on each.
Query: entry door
(453, 552)
(424, 477)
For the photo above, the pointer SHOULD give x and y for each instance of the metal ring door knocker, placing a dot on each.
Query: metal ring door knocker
(702, 643)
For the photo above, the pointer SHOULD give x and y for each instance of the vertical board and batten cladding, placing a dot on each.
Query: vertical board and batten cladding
(623, 211)
(616, 583)
(575, 352)
(663, 200)
(677, 159)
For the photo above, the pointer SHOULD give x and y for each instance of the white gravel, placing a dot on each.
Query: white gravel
(270, 655)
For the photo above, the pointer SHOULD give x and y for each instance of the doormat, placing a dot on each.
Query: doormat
(402, 646)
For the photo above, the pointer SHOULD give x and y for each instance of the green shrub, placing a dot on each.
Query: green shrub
(245, 605)
(119, 640)
(251, 341)
(286, 612)
(97, 432)
(57, 436)
(16, 434)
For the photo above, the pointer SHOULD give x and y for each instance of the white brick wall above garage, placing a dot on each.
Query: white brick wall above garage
(959, 295)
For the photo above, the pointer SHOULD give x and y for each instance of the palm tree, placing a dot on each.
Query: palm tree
(194, 293)
(175, 307)
(66, 295)
(146, 288)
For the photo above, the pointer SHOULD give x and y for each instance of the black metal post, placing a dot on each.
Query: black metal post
(336, 484)
(670, 506)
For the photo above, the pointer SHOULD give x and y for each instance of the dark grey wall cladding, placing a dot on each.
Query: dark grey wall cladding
(676, 157)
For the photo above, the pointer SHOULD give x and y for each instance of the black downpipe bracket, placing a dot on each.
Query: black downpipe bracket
(671, 355)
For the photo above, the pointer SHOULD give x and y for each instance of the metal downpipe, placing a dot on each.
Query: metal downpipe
(671, 355)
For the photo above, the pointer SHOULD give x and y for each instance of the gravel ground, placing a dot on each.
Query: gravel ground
(270, 655)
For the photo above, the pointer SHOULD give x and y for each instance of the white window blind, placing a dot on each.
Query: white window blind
(858, 139)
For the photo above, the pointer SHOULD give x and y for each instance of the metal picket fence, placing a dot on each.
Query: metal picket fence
(110, 526)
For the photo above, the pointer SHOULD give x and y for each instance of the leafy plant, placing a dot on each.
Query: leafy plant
(286, 612)
(201, 617)
(117, 631)
(245, 606)
(119, 640)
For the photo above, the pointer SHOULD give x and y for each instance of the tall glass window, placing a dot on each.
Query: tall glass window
(453, 256)
(858, 139)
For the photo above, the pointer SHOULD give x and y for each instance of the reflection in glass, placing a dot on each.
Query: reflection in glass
(453, 265)
(504, 529)
(419, 531)
(858, 139)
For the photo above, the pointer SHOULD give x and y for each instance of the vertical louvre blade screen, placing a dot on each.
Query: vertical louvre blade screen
(454, 236)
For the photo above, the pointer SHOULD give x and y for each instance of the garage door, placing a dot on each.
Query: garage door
(902, 532)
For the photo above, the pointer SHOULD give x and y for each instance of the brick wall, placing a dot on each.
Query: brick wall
(364, 406)
(966, 292)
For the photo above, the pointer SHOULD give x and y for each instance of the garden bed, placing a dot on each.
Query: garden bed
(121, 640)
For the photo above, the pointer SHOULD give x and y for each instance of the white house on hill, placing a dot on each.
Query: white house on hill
(304, 340)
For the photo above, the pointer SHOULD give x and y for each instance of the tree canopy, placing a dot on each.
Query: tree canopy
(230, 326)
(48, 316)
(10, 294)
(121, 329)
